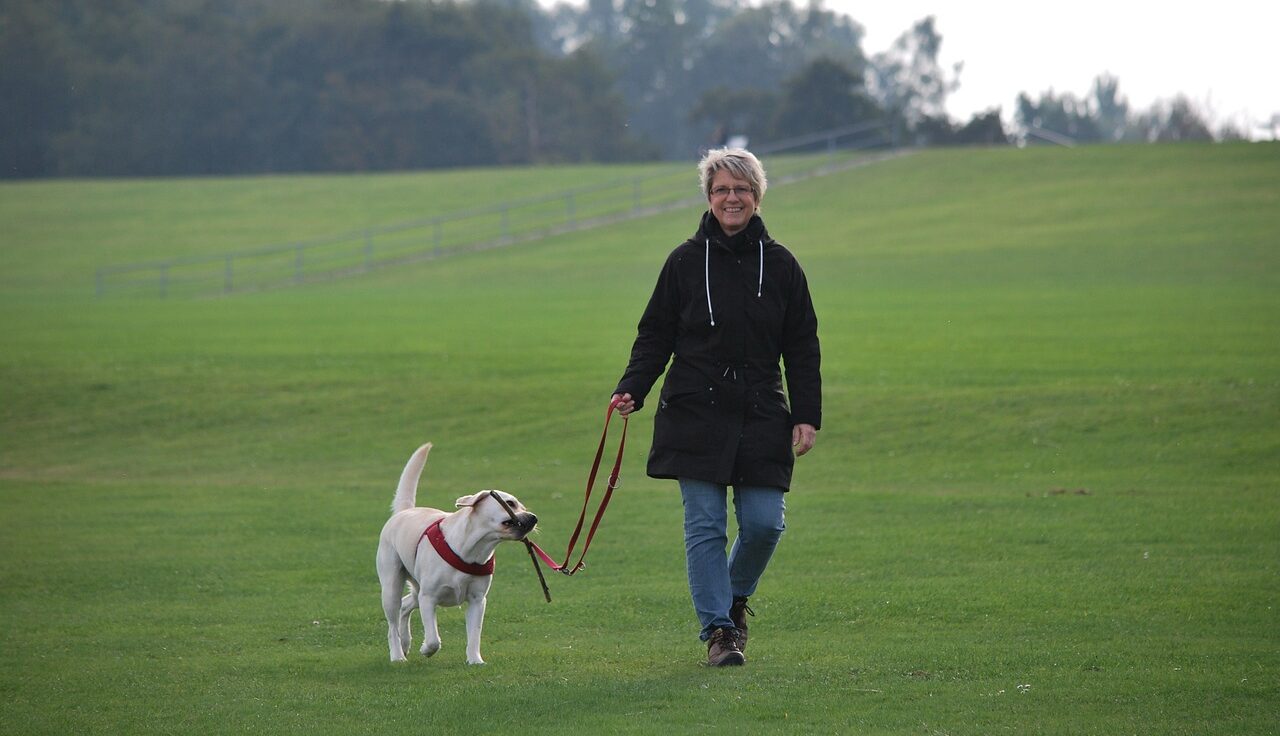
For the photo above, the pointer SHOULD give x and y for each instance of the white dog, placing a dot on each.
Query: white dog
(446, 558)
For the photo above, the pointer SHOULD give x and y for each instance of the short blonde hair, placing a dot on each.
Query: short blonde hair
(740, 163)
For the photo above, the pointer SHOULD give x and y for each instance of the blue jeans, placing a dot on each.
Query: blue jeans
(714, 578)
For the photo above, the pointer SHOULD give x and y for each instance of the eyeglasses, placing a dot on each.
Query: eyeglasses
(726, 191)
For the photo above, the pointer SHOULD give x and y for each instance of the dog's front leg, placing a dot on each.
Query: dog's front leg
(430, 632)
(475, 622)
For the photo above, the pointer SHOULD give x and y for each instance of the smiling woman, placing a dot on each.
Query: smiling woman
(723, 418)
(734, 185)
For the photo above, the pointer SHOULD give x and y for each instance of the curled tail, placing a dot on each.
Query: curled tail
(407, 491)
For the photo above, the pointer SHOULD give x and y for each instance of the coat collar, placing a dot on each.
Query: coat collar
(755, 232)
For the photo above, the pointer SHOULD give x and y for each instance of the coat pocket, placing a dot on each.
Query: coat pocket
(683, 421)
(768, 431)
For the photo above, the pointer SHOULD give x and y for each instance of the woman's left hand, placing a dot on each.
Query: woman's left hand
(802, 438)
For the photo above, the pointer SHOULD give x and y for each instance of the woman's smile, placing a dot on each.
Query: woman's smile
(732, 202)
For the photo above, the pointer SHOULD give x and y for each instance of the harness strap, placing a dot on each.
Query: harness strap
(436, 536)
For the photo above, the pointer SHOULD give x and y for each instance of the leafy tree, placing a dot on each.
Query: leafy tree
(933, 130)
(34, 83)
(1172, 121)
(668, 54)
(1065, 115)
(908, 81)
(549, 109)
(601, 21)
(730, 112)
(127, 87)
(1184, 122)
(653, 68)
(983, 129)
(1110, 110)
(1104, 116)
(823, 95)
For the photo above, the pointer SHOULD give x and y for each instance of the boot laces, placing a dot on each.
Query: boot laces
(726, 637)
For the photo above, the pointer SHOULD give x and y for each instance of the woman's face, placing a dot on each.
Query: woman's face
(732, 202)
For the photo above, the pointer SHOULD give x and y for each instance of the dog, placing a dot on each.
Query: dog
(445, 571)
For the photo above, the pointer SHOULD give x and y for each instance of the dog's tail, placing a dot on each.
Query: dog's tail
(407, 491)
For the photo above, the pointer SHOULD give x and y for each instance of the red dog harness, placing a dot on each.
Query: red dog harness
(442, 548)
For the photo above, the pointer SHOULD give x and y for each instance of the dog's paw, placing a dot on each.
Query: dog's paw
(475, 661)
(430, 648)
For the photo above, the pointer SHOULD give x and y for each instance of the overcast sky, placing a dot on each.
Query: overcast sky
(1222, 55)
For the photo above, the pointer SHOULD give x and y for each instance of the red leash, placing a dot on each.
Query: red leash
(604, 502)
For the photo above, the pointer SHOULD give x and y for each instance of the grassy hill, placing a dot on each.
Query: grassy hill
(1043, 500)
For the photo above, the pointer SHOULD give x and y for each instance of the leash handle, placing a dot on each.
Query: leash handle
(604, 502)
(564, 567)
(591, 481)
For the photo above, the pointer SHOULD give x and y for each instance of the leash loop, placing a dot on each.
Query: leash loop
(564, 567)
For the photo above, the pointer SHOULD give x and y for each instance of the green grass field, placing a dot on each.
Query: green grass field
(1044, 499)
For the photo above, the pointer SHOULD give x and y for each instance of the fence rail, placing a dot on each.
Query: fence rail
(504, 224)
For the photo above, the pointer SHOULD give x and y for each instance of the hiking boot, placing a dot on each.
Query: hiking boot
(723, 649)
(738, 613)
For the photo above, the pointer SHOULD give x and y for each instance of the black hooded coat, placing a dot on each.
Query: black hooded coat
(722, 415)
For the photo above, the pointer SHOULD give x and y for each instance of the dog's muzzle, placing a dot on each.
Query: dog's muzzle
(522, 523)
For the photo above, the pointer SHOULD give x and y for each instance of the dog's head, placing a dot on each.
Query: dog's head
(503, 510)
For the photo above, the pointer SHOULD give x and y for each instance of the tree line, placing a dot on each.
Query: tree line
(196, 87)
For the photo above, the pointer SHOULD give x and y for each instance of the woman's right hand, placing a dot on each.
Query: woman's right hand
(625, 404)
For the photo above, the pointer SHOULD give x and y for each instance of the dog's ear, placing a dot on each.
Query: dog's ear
(471, 500)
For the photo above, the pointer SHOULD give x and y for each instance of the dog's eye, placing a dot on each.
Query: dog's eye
(512, 504)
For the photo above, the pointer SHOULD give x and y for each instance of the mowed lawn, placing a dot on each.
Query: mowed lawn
(1044, 499)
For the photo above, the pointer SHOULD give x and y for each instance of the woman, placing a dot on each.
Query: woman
(730, 303)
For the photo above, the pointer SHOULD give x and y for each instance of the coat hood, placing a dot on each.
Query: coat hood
(754, 235)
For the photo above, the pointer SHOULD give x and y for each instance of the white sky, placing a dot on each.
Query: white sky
(1223, 55)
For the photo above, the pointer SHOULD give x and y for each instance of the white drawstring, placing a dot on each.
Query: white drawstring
(760, 286)
(706, 277)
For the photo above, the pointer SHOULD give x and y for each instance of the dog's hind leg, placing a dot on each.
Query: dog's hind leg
(395, 644)
(392, 577)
